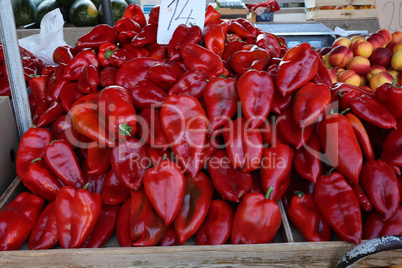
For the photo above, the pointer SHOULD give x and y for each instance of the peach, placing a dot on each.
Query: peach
(396, 37)
(379, 79)
(396, 61)
(341, 41)
(333, 75)
(359, 64)
(339, 7)
(339, 56)
(357, 37)
(350, 7)
(394, 73)
(362, 48)
(376, 40)
(363, 81)
(397, 47)
(386, 33)
(350, 77)
(375, 69)
(325, 60)
(381, 56)
(337, 69)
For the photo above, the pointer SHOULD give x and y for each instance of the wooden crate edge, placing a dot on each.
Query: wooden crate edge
(343, 14)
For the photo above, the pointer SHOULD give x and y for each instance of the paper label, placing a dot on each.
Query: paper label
(176, 12)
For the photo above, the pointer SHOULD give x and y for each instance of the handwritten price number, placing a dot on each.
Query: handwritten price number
(392, 18)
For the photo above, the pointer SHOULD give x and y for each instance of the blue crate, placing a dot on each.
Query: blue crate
(265, 17)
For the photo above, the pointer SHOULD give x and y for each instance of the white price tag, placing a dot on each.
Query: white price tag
(175, 12)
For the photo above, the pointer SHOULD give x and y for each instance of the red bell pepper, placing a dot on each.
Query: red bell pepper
(304, 214)
(76, 66)
(76, 214)
(257, 219)
(56, 83)
(375, 226)
(212, 14)
(135, 13)
(275, 170)
(4, 87)
(215, 33)
(134, 71)
(381, 185)
(169, 238)
(147, 94)
(243, 144)
(185, 125)
(54, 111)
(364, 201)
(154, 15)
(40, 109)
(126, 25)
(164, 185)
(221, 98)
(361, 135)
(63, 54)
(157, 155)
(390, 95)
(307, 160)
(272, 5)
(107, 76)
(291, 132)
(113, 191)
(392, 148)
(40, 180)
(98, 158)
(95, 181)
(198, 193)
(98, 35)
(146, 36)
(150, 129)
(231, 183)
(269, 42)
(44, 233)
(159, 53)
(32, 145)
(242, 27)
(17, 219)
(120, 56)
(88, 81)
(269, 132)
(116, 106)
(340, 146)
(104, 227)
(302, 62)
(123, 224)
(105, 51)
(256, 91)
(165, 75)
(249, 57)
(231, 48)
(310, 102)
(183, 34)
(256, 184)
(217, 226)
(69, 95)
(322, 76)
(337, 202)
(191, 83)
(146, 227)
(62, 161)
(196, 57)
(62, 129)
(38, 85)
(129, 163)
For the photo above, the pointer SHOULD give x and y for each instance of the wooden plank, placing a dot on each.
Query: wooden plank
(346, 14)
(318, 3)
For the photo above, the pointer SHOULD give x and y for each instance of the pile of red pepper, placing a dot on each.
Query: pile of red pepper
(201, 138)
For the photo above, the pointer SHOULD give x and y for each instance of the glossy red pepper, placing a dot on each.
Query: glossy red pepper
(126, 24)
(76, 66)
(98, 158)
(147, 94)
(135, 13)
(302, 62)
(307, 160)
(361, 135)
(76, 214)
(97, 36)
(44, 233)
(123, 224)
(88, 81)
(310, 102)
(390, 95)
(191, 83)
(113, 191)
(249, 57)
(215, 33)
(381, 185)
(269, 42)
(165, 75)
(104, 227)
(375, 226)
(340, 146)
(4, 87)
(256, 91)
(231, 183)
(183, 34)
(271, 4)
(116, 106)
(95, 181)
(107, 76)
(146, 36)
(54, 111)
(32, 145)
(146, 227)
(231, 48)
(364, 201)
(105, 51)
(242, 27)
(221, 98)
(150, 129)
(62, 129)
(129, 162)
(304, 214)
(196, 57)
(211, 14)
(243, 144)
(38, 85)
(154, 15)
(120, 56)
(63, 54)
(139, 67)
(169, 238)
(337, 202)
(269, 132)
(39, 110)
(322, 76)
(17, 219)
(56, 84)
(40, 180)
(185, 115)
(257, 219)
(275, 170)
(217, 226)
(62, 160)
(69, 95)
(197, 198)
(164, 185)
(392, 148)
(157, 155)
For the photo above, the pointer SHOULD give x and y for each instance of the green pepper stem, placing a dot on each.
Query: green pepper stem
(270, 190)
(36, 159)
(299, 193)
(86, 186)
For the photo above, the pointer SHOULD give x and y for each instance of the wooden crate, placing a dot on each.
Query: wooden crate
(314, 10)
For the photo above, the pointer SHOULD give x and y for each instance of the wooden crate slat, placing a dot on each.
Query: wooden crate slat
(346, 14)
(320, 3)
